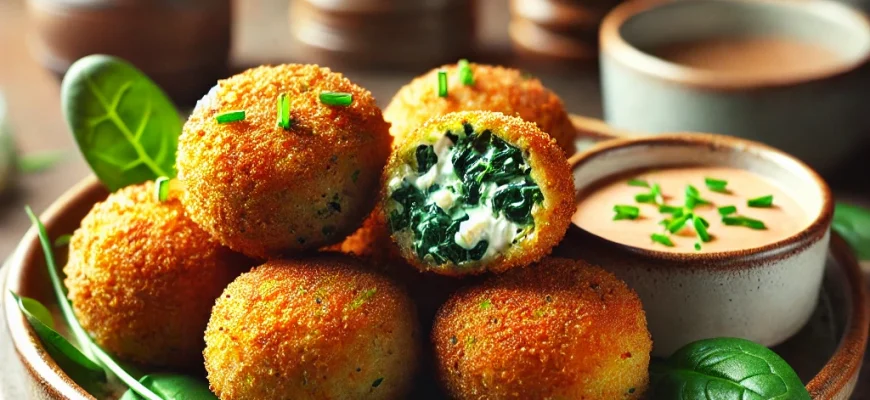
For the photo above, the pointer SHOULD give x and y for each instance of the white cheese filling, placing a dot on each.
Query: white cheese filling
(482, 224)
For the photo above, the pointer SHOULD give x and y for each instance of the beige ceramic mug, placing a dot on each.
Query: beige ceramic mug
(814, 107)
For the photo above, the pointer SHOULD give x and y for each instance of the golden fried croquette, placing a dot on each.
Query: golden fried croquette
(265, 191)
(498, 89)
(142, 278)
(477, 191)
(316, 328)
(559, 329)
(371, 242)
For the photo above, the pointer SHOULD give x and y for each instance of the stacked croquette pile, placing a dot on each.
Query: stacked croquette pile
(278, 166)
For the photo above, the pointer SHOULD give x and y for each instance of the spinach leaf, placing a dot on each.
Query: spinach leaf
(41, 161)
(125, 126)
(853, 224)
(516, 201)
(173, 387)
(426, 158)
(725, 368)
(89, 348)
(78, 366)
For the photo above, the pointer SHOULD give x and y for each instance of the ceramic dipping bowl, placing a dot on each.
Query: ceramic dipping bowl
(764, 294)
(816, 114)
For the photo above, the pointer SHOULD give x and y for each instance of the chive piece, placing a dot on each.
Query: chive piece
(665, 222)
(693, 197)
(716, 185)
(657, 193)
(645, 198)
(744, 221)
(723, 211)
(625, 212)
(678, 223)
(442, 83)
(662, 239)
(161, 189)
(466, 75)
(701, 228)
(666, 209)
(341, 99)
(638, 183)
(763, 201)
(704, 221)
(284, 111)
(230, 116)
(697, 246)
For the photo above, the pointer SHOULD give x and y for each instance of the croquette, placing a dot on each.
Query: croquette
(142, 278)
(559, 329)
(477, 191)
(323, 327)
(266, 190)
(498, 89)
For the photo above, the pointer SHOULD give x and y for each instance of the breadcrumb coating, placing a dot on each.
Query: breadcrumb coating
(549, 169)
(266, 191)
(499, 89)
(142, 278)
(559, 329)
(316, 328)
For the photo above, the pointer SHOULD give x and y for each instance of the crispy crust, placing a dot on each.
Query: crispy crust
(142, 278)
(550, 170)
(266, 191)
(560, 329)
(495, 88)
(323, 327)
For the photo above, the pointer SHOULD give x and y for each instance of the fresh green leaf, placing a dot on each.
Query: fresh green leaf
(853, 224)
(41, 161)
(125, 126)
(173, 387)
(426, 158)
(725, 368)
(78, 366)
(89, 348)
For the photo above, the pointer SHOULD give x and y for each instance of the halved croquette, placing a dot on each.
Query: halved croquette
(475, 191)
(296, 173)
(317, 328)
(494, 88)
(559, 329)
(142, 278)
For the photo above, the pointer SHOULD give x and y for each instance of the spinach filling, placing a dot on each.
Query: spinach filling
(491, 173)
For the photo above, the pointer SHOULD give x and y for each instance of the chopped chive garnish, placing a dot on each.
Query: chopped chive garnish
(645, 198)
(341, 99)
(716, 185)
(662, 239)
(625, 212)
(743, 221)
(230, 116)
(697, 246)
(657, 192)
(704, 221)
(763, 201)
(666, 209)
(723, 211)
(638, 183)
(701, 228)
(693, 197)
(678, 223)
(284, 111)
(665, 222)
(442, 83)
(161, 189)
(466, 75)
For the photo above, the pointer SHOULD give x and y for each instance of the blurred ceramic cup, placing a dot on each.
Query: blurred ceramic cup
(182, 44)
(793, 75)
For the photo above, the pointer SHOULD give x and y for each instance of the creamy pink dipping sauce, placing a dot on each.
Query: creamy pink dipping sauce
(785, 218)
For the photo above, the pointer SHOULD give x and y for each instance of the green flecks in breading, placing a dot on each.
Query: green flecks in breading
(377, 382)
(362, 298)
(354, 176)
(485, 304)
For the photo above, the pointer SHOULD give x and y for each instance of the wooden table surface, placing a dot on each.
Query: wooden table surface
(261, 36)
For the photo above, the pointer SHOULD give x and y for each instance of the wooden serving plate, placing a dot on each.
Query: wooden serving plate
(827, 353)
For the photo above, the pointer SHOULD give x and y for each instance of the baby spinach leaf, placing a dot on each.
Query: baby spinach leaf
(125, 126)
(78, 366)
(426, 158)
(725, 368)
(853, 224)
(173, 387)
